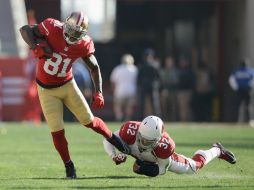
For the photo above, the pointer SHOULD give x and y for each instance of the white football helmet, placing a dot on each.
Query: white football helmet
(75, 27)
(149, 133)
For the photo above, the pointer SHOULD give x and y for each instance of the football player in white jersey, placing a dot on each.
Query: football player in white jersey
(154, 150)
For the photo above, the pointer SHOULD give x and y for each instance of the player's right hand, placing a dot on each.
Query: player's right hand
(42, 50)
(119, 158)
(98, 101)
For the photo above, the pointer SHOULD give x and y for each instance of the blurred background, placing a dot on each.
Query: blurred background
(193, 46)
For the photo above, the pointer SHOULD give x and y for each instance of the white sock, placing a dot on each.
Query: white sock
(210, 154)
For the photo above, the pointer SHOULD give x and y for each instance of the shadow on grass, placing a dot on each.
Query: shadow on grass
(79, 178)
(140, 187)
(88, 177)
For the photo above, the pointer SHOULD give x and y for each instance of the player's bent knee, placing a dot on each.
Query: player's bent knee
(86, 121)
(191, 171)
(55, 128)
(55, 125)
(202, 153)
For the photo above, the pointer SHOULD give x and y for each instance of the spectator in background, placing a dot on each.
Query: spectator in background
(241, 81)
(169, 81)
(204, 89)
(186, 88)
(124, 83)
(148, 84)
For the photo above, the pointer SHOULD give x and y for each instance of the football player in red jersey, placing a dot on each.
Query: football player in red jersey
(154, 150)
(57, 45)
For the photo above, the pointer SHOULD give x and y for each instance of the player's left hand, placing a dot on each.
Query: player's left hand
(98, 101)
(119, 158)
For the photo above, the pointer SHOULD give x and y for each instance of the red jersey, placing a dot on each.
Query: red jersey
(128, 133)
(58, 70)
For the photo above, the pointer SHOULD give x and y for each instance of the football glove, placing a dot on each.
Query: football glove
(98, 101)
(42, 50)
(119, 158)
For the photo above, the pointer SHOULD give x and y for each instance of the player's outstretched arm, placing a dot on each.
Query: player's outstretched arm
(118, 158)
(109, 148)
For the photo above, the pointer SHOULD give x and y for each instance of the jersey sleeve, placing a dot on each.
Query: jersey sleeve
(88, 46)
(165, 148)
(128, 132)
(46, 26)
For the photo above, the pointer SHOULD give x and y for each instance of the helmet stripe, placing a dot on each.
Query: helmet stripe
(80, 18)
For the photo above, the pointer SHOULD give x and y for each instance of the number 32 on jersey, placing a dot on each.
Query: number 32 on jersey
(132, 129)
(53, 67)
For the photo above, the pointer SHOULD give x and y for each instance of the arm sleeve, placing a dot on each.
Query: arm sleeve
(233, 83)
(109, 148)
(163, 165)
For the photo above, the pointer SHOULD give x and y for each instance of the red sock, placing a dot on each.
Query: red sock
(100, 127)
(61, 145)
(200, 161)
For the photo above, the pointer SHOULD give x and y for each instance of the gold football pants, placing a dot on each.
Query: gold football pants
(52, 101)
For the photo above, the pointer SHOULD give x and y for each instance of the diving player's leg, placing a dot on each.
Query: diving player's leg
(182, 164)
(225, 154)
(217, 151)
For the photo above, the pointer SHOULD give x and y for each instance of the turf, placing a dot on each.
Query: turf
(28, 159)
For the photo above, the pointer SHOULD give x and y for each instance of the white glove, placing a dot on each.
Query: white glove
(119, 158)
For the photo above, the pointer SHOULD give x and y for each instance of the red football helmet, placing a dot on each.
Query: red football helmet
(75, 27)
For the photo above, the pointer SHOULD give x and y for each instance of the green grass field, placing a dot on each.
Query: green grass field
(28, 159)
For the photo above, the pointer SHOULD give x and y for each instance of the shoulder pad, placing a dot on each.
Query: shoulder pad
(88, 45)
(165, 148)
(128, 131)
(47, 26)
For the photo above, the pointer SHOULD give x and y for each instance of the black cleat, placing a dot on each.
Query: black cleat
(225, 154)
(70, 170)
(119, 144)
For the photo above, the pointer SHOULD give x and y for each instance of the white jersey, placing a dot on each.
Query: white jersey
(124, 78)
(160, 155)
(164, 154)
